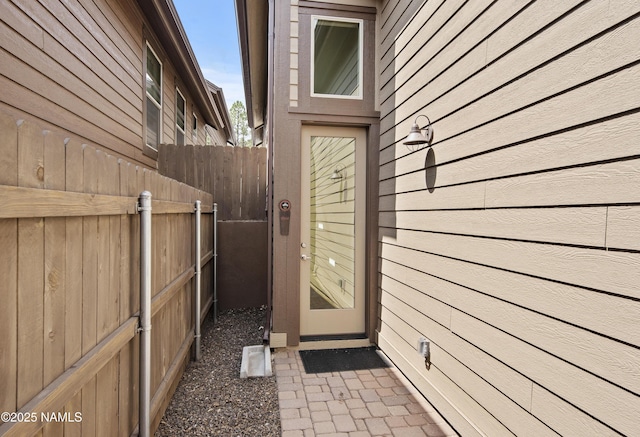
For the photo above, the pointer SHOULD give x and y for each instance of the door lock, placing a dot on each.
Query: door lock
(305, 257)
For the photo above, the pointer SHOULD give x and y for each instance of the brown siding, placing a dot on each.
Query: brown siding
(77, 66)
(295, 108)
(510, 244)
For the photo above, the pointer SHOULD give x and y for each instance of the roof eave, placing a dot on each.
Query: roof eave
(252, 20)
(166, 23)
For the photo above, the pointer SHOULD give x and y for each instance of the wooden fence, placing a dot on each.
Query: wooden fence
(236, 176)
(69, 284)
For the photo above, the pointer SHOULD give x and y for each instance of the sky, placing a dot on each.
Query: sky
(211, 29)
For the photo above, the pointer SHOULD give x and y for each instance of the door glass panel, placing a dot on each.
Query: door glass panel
(332, 224)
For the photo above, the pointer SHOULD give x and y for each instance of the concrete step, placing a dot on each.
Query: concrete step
(256, 362)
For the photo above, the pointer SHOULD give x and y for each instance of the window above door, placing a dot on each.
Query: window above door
(336, 58)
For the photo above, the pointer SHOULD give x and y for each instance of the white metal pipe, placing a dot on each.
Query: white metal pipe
(215, 262)
(198, 256)
(144, 207)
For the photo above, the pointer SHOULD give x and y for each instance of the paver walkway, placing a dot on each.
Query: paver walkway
(355, 403)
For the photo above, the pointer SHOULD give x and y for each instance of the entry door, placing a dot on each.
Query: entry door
(332, 247)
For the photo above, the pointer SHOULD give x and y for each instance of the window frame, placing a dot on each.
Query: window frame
(150, 98)
(184, 118)
(194, 129)
(360, 22)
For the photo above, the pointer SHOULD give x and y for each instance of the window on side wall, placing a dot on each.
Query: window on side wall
(180, 117)
(194, 129)
(336, 57)
(153, 76)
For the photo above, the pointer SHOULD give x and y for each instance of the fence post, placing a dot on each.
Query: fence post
(197, 279)
(215, 262)
(144, 208)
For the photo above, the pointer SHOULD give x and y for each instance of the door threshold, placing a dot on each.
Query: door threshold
(332, 344)
(330, 337)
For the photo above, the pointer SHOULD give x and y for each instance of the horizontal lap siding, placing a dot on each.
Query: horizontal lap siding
(77, 66)
(512, 243)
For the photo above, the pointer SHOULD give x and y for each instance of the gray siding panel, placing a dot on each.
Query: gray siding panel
(512, 244)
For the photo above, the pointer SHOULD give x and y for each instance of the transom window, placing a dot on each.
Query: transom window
(336, 58)
(154, 98)
(180, 117)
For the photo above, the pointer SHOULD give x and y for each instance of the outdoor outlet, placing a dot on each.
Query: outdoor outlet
(423, 348)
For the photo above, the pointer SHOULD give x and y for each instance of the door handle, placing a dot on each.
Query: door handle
(305, 257)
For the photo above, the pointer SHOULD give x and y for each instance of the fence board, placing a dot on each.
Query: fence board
(30, 308)
(107, 399)
(74, 278)
(9, 314)
(55, 268)
(90, 259)
(9, 155)
(64, 387)
(30, 156)
(8, 269)
(235, 176)
(54, 296)
(261, 202)
(74, 255)
(30, 280)
(218, 185)
(89, 290)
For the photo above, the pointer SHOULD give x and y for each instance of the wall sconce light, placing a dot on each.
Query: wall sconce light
(337, 173)
(419, 136)
(338, 176)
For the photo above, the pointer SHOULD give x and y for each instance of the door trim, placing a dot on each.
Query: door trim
(335, 321)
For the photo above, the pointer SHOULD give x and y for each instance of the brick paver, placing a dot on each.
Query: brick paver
(352, 404)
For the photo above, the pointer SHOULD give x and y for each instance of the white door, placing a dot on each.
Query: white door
(332, 247)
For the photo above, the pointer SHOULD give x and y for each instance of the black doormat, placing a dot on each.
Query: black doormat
(340, 360)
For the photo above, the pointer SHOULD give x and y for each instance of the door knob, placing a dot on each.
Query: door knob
(305, 257)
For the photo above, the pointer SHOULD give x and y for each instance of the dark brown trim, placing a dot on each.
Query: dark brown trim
(337, 7)
(317, 105)
(340, 113)
(371, 250)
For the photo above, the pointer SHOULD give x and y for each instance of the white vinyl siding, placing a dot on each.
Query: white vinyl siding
(512, 243)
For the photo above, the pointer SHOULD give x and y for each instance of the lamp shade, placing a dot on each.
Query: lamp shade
(415, 136)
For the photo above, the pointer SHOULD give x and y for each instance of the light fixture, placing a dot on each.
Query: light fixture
(416, 138)
(337, 173)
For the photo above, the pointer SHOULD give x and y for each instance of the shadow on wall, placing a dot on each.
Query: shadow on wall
(430, 170)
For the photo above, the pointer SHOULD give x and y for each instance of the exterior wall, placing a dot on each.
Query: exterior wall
(292, 109)
(217, 139)
(512, 243)
(77, 67)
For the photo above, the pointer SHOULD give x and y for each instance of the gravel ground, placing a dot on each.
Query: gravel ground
(211, 399)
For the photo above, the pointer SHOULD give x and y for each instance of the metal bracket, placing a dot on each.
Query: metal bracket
(140, 208)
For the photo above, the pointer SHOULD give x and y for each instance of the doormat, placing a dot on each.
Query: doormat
(341, 360)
